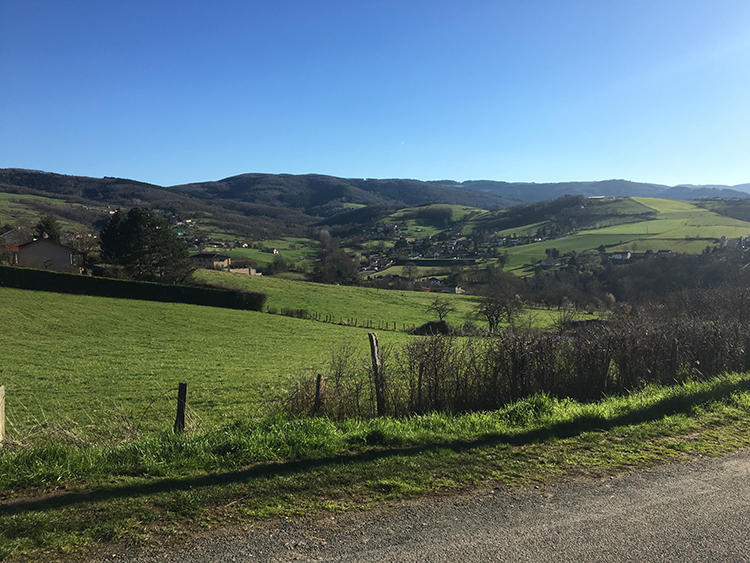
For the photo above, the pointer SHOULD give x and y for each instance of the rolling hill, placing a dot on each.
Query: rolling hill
(268, 206)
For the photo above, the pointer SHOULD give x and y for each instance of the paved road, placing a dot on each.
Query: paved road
(698, 511)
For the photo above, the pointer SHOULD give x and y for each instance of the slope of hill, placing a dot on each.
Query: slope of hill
(703, 192)
(737, 187)
(635, 225)
(256, 205)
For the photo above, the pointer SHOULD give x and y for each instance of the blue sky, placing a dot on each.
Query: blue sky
(170, 92)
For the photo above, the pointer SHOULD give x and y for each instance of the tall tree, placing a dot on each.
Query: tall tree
(49, 227)
(336, 267)
(145, 246)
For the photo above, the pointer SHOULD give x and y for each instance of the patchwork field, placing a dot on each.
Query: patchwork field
(679, 226)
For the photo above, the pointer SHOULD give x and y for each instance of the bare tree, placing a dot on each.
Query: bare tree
(441, 307)
(500, 299)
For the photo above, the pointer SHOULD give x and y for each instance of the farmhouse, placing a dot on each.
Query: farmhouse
(45, 254)
(211, 261)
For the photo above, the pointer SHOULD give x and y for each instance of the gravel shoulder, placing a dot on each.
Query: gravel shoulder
(694, 511)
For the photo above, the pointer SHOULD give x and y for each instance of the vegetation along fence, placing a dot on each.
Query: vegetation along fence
(344, 321)
(586, 363)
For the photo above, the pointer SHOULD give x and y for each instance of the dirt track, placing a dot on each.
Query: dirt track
(698, 511)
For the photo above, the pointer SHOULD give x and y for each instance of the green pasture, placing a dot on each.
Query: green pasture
(292, 249)
(418, 228)
(347, 302)
(99, 367)
(264, 257)
(89, 363)
(679, 226)
(260, 257)
(360, 304)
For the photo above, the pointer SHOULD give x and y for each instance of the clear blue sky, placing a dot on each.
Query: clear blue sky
(530, 90)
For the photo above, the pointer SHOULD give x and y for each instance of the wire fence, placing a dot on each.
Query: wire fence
(94, 415)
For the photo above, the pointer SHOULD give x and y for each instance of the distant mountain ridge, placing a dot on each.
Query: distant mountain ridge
(262, 204)
(532, 192)
(326, 195)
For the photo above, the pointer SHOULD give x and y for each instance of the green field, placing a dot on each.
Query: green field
(293, 249)
(347, 302)
(418, 228)
(90, 361)
(679, 226)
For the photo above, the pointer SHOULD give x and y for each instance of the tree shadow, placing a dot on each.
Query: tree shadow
(679, 404)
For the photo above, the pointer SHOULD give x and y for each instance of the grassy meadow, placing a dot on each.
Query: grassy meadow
(90, 363)
(65, 503)
(290, 248)
(108, 367)
(347, 302)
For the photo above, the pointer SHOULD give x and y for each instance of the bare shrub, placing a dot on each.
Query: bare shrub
(697, 335)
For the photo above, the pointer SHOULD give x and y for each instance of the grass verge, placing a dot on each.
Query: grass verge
(62, 502)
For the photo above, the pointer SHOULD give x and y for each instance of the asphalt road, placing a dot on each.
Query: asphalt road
(697, 511)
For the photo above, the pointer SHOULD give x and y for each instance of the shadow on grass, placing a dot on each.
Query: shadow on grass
(679, 404)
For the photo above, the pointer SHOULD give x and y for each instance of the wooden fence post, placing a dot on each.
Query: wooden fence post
(319, 391)
(377, 374)
(2, 414)
(179, 423)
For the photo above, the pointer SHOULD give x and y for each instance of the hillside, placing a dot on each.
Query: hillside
(651, 224)
(323, 196)
(253, 212)
(525, 235)
(268, 205)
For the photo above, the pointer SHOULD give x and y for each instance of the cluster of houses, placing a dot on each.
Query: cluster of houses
(437, 248)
